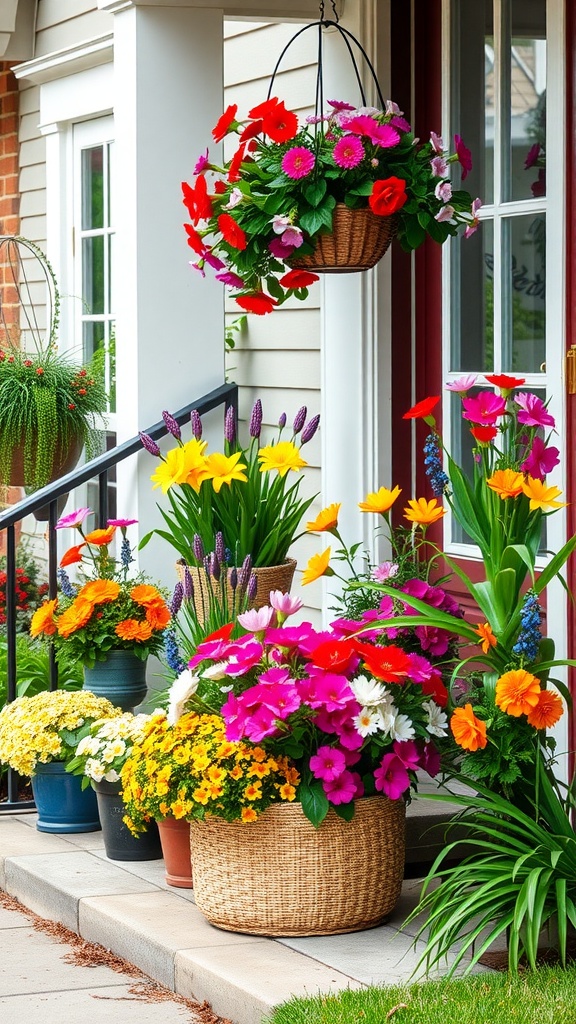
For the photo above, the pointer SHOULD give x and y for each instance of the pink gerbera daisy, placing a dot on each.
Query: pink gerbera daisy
(298, 162)
(348, 151)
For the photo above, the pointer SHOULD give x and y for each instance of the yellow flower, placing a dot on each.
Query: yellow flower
(172, 470)
(506, 482)
(195, 463)
(287, 792)
(379, 501)
(223, 469)
(282, 456)
(201, 795)
(327, 519)
(253, 791)
(248, 814)
(317, 567)
(424, 512)
(541, 495)
(487, 637)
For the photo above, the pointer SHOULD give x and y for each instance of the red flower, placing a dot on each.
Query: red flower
(195, 241)
(483, 434)
(224, 633)
(234, 170)
(258, 303)
(264, 108)
(335, 655)
(388, 196)
(422, 409)
(231, 231)
(251, 130)
(388, 663)
(221, 127)
(196, 200)
(434, 687)
(72, 555)
(464, 156)
(39, 370)
(220, 187)
(503, 381)
(280, 124)
(298, 279)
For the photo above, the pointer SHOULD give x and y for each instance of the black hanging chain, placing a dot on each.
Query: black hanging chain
(334, 11)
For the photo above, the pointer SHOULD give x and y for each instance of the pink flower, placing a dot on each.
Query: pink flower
(292, 236)
(340, 105)
(279, 223)
(437, 143)
(407, 751)
(199, 266)
(380, 134)
(446, 213)
(532, 156)
(485, 409)
(443, 191)
(384, 571)
(462, 384)
(420, 668)
(73, 518)
(392, 779)
(298, 162)
(533, 412)
(278, 249)
(464, 156)
(202, 163)
(439, 167)
(260, 724)
(256, 620)
(280, 698)
(476, 206)
(231, 279)
(343, 789)
(234, 716)
(213, 261)
(541, 460)
(121, 522)
(430, 759)
(348, 151)
(327, 763)
(285, 604)
(243, 659)
(401, 123)
(332, 690)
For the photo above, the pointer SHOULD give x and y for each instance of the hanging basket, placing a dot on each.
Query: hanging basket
(358, 240)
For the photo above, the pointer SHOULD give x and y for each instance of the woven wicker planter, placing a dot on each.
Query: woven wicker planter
(269, 577)
(281, 876)
(358, 240)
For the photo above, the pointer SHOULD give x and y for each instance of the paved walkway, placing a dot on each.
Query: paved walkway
(128, 909)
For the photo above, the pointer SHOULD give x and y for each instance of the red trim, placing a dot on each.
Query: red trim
(570, 455)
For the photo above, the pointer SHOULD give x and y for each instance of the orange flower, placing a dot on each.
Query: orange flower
(76, 616)
(541, 495)
(488, 639)
(43, 619)
(468, 731)
(72, 555)
(317, 567)
(100, 537)
(99, 591)
(327, 519)
(379, 501)
(423, 512)
(248, 814)
(145, 595)
(548, 710)
(158, 615)
(287, 792)
(506, 482)
(131, 629)
(517, 692)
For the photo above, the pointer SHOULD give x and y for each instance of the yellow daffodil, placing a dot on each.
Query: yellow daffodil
(541, 495)
(317, 567)
(195, 463)
(327, 519)
(379, 501)
(223, 469)
(172, 470)
(507, 483)
(487, 638)
(423, 512)
(282, 457)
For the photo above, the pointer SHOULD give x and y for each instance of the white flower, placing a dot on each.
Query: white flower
(182, 689)
(280, 223)
(111, 776)
(216, 671)
(367, 721)
(402, 728)
(437, 720)
(89, 745)
(113, 750)
(94, 770)
(367, 691)
(235, 197)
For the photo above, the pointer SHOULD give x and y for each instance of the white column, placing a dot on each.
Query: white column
(355, 322)
(167, 97)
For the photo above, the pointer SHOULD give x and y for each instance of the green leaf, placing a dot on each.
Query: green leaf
(345, 811)
(315, 192)
(314, 801)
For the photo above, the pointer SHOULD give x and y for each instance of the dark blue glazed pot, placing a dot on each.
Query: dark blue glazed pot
(62, 804)
(119, 842)
(121, 678)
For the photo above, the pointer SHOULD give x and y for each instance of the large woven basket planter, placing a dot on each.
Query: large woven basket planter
(269, 577)
(358, 240)
(280, 876)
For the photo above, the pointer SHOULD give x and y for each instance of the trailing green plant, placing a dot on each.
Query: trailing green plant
(48, 401)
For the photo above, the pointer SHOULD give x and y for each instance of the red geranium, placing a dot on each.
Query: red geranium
(258, 303)
(298, 279)
(502, 380)
(335, 655)
(221, 127)
(484, 434)
(196, 199)
(391, 664)
(231, 231)
(388, 196)
(280, 124)
(421, 409)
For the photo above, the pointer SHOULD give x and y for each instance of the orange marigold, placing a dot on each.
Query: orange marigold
(131, 629)
(145, 594)
(158, 615)
(249, 814)
(100, 537)
(76, 616)
(517, 692)
(99, 591)
(468, 731)
(548, 710)
(43, 619)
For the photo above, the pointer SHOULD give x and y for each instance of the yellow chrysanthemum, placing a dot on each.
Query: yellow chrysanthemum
(327, 519)
(283, 457)
(423, 512)
(317, 567)
(223, 469)
(379, 501)
(541, 495)
(507, 483)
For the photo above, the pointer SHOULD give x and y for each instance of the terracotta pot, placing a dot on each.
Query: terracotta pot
(10, 496)
(66, 456)
(175, 843)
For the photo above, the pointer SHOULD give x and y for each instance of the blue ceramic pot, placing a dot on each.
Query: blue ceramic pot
(62, 804)
(121, 678)
(119, 842)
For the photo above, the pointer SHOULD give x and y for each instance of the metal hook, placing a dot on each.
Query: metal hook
(323, 20)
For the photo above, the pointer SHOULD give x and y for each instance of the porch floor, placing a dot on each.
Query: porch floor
(128, 908)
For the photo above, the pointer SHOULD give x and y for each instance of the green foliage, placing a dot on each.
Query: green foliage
(33, 669)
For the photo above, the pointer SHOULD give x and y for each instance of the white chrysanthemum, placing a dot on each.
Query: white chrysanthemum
(182, 689)
(368, 692)
(89, 745)
(112, 776)
(94, 770)
(216, 671)
(367, 721)
(402, 728)
(386, 717)
(437, 723)
(112, 750)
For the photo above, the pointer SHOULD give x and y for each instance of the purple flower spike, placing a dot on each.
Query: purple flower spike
(196, 424)
(300, 419)
(177, 598)
(310, 429)
(188, 584)
(230, 425)
(244, 574)
(149, 444)
(198, 548)
(233, 578)
(219, 548)
(215, 569)
(256, 419)
(282, 421)
(252, 587)
(171, 425)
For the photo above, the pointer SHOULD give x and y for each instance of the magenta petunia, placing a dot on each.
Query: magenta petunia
(121, 522)
(75, 518)
(230, 278)
(430, 759)
(348, 151)
(392, 779)
(327, 763)
(464, 156)
(202, 164)
(407, 751)
(298, 162)
(278, 249)
(343, 789)
(533, 412)
(541, 460)
(485, 409)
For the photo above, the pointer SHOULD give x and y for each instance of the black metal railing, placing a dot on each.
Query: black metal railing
(99, 468)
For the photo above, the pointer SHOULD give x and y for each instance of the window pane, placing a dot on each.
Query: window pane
(523, 296)
(93, 274)
(472, 334)
(526, 88)
(472, 102)
(93, 341)
(92, 188)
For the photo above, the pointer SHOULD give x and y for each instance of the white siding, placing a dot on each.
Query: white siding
(63, 23)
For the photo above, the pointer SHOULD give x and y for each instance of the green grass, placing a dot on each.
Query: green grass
(544, 996)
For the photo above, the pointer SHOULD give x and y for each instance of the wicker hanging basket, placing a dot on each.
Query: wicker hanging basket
(269, 577)
(281, 876)
(358, 240)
